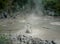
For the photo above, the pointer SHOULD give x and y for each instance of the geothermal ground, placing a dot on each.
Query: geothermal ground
(44, 27)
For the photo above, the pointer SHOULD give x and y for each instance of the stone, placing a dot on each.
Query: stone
(29, 40)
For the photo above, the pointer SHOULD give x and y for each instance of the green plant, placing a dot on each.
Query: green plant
(4, 39)
(53, 5)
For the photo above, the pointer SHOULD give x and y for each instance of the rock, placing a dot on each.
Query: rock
(29, 40)
(53, 42)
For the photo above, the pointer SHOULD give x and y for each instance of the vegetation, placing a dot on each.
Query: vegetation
(3, 4)
(53, 5)
(4, 39)
(11, 3)
(11, 6)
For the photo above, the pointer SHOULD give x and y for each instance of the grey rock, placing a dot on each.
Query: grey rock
(29, 40)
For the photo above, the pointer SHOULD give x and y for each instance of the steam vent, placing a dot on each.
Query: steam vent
(28, 30)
